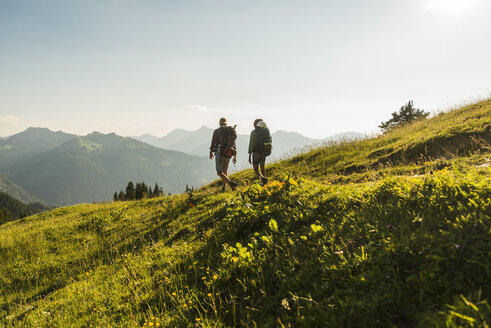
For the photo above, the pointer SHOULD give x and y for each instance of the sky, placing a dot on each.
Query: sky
(314, 67)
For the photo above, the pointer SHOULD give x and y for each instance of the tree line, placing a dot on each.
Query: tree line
(138, 191)
(13, 209)
(4, 215)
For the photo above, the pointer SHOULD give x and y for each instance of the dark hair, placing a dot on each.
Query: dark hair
(257, 121)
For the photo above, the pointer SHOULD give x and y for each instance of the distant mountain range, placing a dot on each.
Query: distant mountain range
(57, 168)
(62, 169)
(29, 143)
(198, 142)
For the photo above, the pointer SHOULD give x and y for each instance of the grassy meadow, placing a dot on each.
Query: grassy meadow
(392, 231)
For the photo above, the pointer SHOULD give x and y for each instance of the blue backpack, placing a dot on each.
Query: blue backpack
(263, 141)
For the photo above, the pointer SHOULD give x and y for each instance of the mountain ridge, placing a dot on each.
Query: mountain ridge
(30, 142)
(99, 164)
(197, 142)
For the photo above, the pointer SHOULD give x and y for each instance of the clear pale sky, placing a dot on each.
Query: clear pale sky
(315, 67)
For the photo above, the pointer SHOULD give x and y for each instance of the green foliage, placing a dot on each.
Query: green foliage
(296, 252)
(408, 247)
(140, 191)
(4, 215)
(17, 209)
(407, 114)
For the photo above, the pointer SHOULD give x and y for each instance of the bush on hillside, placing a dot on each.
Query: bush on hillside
(406, 114)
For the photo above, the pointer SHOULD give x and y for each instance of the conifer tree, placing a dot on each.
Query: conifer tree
(157, 191)
(406, 114)
(130, 191)
(115, 197)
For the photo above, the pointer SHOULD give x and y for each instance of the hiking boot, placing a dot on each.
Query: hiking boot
(233, 185)
(264, 180)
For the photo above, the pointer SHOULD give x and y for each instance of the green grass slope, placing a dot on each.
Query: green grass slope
(450, 135)
(344, 240)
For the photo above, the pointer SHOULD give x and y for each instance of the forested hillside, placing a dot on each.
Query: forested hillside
(91, 168)
(17, 209)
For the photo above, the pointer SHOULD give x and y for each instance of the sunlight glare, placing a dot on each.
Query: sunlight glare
(455, 7)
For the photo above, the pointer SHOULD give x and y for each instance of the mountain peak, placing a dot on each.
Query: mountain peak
(35, 128)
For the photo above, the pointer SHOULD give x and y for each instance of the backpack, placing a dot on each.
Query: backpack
(263, 141)
(227, 141)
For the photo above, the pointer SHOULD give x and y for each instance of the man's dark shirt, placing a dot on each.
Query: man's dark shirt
(215, 140)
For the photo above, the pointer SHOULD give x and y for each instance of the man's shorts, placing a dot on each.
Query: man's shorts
(221, 162)
(258, 158)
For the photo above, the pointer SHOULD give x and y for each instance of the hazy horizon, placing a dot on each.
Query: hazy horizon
(161, 136)
(317, 68)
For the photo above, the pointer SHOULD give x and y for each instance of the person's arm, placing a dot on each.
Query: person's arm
(234, 160)
(213, 144)
(252, 140)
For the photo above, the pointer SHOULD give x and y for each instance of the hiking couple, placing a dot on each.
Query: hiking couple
(223, 147)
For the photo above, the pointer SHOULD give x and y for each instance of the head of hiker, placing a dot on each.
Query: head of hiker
(223, 121)
(257, 120)
(261, 124)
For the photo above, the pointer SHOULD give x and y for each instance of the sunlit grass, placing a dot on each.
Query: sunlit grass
(404, 243)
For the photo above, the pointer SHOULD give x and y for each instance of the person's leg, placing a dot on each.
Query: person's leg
(223, 173)
(256, 160)
(256, 171)
(224, 185)
(258, 163)
(224, 177)
(264, 180)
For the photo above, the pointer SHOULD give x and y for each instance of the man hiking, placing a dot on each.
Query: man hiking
(259, 147)
(223, 148)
